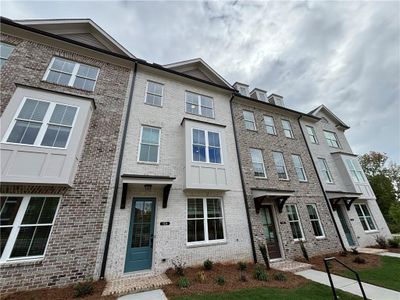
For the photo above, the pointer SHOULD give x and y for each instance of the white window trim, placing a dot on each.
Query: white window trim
(298, 220)
(328, 139)
(207, 146)
(6, 58)
(258, 162)
(147, 92)
(5, 258)
(205, 223)
(325, 170)
(284, 166)
(302, 167)
(45, 124)
(199, 104)
(318, 219)
(314, 134)
(140, 146)
(365, 218)
(74, 73)
(251, 121)
(358, 172)
(267, 125)
(290, 129)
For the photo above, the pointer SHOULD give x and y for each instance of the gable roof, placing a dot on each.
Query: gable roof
(82, 30)
(322, 107)
(198, 68)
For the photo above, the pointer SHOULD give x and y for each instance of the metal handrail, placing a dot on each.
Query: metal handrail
(347, 267)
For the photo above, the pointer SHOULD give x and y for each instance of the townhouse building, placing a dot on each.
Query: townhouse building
(350, 194)
(285, 200)
(62, 105)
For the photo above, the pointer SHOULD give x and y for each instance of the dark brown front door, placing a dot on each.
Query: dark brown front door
(270, 232)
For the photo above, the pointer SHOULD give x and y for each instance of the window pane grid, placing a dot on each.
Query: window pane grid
(199, 105)
(331, 139)
(298, 165)
(280, 165)
(312, 135)
(287, 129)
(294, 222)
(365, 217)
(257, 162)
(315, 221)
(149, 144)
(325, 170)
(269, 125)
(206, 146)
(249, 120)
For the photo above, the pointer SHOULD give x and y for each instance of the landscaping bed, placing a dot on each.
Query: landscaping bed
(211, 282)
(64, 293)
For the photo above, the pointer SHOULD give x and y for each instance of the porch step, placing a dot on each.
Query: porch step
(135, 284)
(290, 266)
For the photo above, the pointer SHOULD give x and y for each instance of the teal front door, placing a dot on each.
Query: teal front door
(140, 241)
(345, 226)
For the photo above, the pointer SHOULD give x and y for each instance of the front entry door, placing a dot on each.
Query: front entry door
(140, 241)
(345, 226)
(270, 232)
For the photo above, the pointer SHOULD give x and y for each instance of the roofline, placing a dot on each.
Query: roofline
(275, 95)
(4, 20)
(240, 84)
(322, 106)
(257, 89)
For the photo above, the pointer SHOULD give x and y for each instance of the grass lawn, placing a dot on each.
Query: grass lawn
(310, 291)
(387, 275)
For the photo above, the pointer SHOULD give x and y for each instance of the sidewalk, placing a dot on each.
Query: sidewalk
(150, 295)
(349, 285)
(375, 251)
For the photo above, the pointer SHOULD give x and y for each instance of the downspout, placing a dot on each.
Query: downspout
(118, 174)
(322, 187)
(243, 184)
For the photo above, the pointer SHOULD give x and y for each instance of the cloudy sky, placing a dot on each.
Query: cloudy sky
(345, 55)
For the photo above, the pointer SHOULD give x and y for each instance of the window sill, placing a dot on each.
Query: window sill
(213, 117)
(148, 163)
(70, 86)
(319, 238)
(252, 130)
(262, 178)
(159, 106)
(296, 241)
(371, 231)
(21, 263)
(280, 179)
(32, 145)
(205, 244)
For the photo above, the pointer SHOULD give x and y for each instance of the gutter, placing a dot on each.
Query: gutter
(253, 248)
(118, 175)
(322, 187)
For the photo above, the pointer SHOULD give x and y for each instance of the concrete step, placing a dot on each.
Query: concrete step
(290, 266)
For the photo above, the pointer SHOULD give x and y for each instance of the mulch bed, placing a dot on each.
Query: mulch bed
(231, 274)
(65, 293)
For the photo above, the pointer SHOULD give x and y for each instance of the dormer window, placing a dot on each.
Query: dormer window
(242, 88)
(276, 99)
(259, 95)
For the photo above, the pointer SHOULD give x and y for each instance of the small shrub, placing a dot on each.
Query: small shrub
(280, 277)
(201, 276)
(242, 265)
(304, 251)
(220, 280)
(263, 250)
(394, 242)
(179, 266)
(354, 251)
(359, 260)
(381, 241)
(343, 253)
(183, 283)
(260, 273)
(208, 264)
(242, 277)
(83, 289)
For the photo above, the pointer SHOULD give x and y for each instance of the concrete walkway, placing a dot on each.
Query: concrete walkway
(391, 254)
(349, 285)
(150, 295)
(375, 251)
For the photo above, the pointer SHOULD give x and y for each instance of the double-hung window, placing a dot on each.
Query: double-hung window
(149, 144)
(287, 129)
(249, 121)
(315, 221)
(258, 163)
(323, 165)
(199, 105)
(298, 165)
(331, 139)
(154, 93)
(5, 52)
(269, 125)
(206, 146)
(294, 221)
(365, 217)
(205, 221)
(280, 165)
(25, 226)
(312, 135)
(42, 123)
(355, 170)
(66, 72)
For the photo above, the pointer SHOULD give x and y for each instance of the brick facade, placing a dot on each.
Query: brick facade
(74, 242)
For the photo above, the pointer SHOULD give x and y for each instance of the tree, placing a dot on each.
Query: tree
(394, 215)
(384, 192)
(373, 163)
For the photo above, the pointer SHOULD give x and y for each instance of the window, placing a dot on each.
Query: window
(279, 101)
(355, 170)
(270, 125)
(298, 165)
(331, 139)
(258, 163)
(294, 222)
(73, 74)
(312, 135)
(249, 121)
(149, 144)
(205, 220)
(325, 170)
(5, 52)
(287, 129)
(199, 105)
(280, 165)
(42, 123)
(365, 217)
(315, 221)
(154, 93)
(206, 146)
(25, 225)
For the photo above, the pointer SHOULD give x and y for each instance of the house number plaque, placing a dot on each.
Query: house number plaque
(164, 223)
